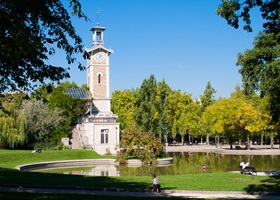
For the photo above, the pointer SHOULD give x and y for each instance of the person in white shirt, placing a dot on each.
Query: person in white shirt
(156, 184)
(243, 165)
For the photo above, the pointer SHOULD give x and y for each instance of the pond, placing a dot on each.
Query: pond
(183, 163)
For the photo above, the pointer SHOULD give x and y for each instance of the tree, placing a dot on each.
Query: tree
(163, 91)
(177, 103)
(57, 98)
(142, 145)
(189, 120)
(260, 70)
(146, 115)
(40, 121)
(12, 124)
(233, 10)
(262, 122)
(214, 118)
(30, 32)
(259, 66)
(207, 99)
(123, 105)
(43, 93)
(236, 117)
(72, 109)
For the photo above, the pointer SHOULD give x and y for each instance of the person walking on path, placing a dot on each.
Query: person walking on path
(156, 184)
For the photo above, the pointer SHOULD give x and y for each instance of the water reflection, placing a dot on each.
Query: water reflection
(99, 170)
(184, 163)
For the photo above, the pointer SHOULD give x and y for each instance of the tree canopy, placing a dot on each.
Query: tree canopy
(260, 65)
(30, 32)
(235, 10)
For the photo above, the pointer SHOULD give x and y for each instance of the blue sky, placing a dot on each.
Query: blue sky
(181, 41)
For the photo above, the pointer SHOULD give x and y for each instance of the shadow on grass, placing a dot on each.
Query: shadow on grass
(269, 186)
(15, 177)
(21, 180)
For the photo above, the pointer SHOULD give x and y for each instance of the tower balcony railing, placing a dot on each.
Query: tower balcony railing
(96, 119)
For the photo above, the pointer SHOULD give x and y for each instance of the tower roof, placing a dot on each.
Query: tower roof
(98, 28)
(94, 48)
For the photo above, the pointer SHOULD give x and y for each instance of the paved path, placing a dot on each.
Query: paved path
(225, 149)
(143, 193)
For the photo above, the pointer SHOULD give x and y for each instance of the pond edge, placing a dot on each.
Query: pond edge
(87, 162)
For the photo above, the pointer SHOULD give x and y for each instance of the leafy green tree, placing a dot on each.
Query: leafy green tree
(41, 121)
(241, 115)
(163, 91)
(214, 119)
(207, 99)
(43, 93)
(262, 123)
(30, 32)
(176, 106)
(12, 124)
(234, 10)
(189, 120)
(123, 105)
(146, 114)
(142, 145)
(236, 117)
(260, 70)
(57, 98)
(72, 109)
(260, 65)
(12, 132)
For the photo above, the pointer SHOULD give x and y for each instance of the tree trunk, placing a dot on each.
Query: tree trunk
(248, 143)
(217, 141)
(207, 139)
(239, 141)
(183, 139)
(272, 143)
(279, 140)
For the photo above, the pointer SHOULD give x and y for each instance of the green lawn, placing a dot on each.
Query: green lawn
(13, 158)
(205, 182)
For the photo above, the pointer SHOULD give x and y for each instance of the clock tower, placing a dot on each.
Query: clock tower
(98, 129)
(98, 71)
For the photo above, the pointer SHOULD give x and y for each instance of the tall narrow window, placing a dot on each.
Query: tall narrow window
(104, 173)
(99, 78)
(104, 136)
(98, 36)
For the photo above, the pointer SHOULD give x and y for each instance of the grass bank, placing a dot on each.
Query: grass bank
(13, 158)
(201, 182)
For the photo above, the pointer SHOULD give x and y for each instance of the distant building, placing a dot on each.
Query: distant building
(98, 129)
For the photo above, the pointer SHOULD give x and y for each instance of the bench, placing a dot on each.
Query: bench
(238, 147)
(249, 170)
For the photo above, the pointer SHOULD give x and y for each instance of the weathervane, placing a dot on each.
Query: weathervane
(97, 12)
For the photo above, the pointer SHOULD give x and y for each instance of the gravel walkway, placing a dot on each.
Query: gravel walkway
(142, 193)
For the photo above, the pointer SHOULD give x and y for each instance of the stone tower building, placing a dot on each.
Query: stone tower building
(99, 130)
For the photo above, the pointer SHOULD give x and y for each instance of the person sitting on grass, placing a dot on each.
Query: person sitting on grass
(156, 184)
(243, 165)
